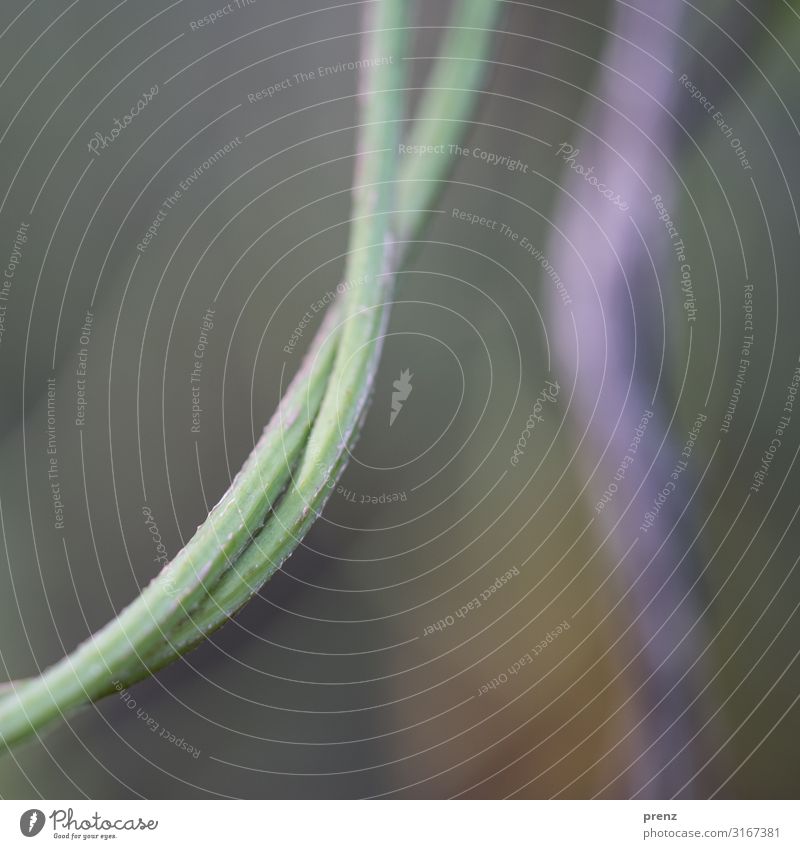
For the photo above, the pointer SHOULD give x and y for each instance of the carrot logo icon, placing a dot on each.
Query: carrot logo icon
(31, 822)
(403, 389)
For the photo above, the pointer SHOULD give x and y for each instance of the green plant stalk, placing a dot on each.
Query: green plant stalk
(133, 645)
(446, 104)
(87, 672)
(448, 101)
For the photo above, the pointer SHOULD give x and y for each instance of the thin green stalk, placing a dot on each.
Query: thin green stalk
(246, 536)
(447, 102)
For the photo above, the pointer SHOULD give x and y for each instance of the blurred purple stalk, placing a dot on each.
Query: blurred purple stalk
(608, 258)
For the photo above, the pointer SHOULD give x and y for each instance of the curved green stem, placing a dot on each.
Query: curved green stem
(269, 507)
(447, 103)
